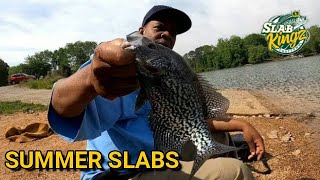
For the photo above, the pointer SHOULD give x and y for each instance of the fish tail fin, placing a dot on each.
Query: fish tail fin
(203, 155)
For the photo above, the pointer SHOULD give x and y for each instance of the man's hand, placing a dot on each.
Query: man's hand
(113, 69)
(250, 134)
(254, 140)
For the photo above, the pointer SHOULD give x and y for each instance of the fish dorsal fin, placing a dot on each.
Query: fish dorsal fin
(215, 105)
(141, 99)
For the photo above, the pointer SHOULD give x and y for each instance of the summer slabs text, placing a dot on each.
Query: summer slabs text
(82, 159)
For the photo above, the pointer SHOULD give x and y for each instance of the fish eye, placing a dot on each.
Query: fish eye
(152, 46)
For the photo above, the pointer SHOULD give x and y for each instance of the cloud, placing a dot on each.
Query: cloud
(35, 25)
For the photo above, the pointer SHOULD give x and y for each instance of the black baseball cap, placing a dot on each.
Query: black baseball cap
(160, 11)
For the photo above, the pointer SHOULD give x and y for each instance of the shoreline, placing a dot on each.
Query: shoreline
(242, 101)
(266, 61)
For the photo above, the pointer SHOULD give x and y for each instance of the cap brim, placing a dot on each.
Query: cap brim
(181, 19)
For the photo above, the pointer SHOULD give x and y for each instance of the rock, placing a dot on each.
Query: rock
(253, 116)
(296, 152)
(281, 127)
(278, 117)
(267, 115)
(273, 134)
(287, 137)
(307, 134)
(260, 116)
(30, 111)
(311, 115)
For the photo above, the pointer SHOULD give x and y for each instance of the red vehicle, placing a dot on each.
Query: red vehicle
(17, 78)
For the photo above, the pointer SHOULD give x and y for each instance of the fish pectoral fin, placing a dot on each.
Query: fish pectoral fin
(216, 105)
(165, 140)
(141, 99)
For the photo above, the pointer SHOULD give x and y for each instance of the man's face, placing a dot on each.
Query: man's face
(160, 31)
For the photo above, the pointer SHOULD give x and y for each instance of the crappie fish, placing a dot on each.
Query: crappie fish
(181, 101)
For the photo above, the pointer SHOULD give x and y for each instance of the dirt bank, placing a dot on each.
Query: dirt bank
(292, 146)
(296, 158)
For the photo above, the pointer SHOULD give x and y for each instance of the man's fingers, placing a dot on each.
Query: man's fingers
(259, 156)
(113, 53)
(260, 150)
(116, 42)
(251, 155)
(252, 150)
(125, 44)
(123, 71)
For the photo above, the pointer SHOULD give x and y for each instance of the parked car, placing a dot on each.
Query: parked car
(17, 78)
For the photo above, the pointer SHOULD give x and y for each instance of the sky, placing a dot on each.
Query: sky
(31, 26)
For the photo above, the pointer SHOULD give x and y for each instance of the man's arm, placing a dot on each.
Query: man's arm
(250, 134)
(71, 95)
(111, 74)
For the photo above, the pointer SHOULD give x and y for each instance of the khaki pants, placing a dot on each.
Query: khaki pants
(223, 168)
(219, 168)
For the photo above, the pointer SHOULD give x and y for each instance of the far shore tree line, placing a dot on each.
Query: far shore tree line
(227, 53)
(236, 51)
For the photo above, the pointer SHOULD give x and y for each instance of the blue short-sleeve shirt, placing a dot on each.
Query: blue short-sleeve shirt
(108, 125)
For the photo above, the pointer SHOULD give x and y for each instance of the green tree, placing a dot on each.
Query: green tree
(21, 68)
(39, 63)
(60, 62)
(314, 41)
(224, 56)
(239, 52)
(200, 58)
(313, 45)
(68, 59)
(4, 68)
(255, 39)
(257, 54)
(79, 52)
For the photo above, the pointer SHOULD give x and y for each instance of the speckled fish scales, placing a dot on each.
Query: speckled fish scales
(181, 101)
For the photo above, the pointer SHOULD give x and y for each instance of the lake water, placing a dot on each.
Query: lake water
(296, 78)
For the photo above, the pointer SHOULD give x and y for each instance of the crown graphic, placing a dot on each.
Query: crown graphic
(295, 13)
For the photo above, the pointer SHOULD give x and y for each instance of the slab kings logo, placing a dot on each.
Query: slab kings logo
(286, 34)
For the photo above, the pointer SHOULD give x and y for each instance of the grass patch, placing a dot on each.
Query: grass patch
(38, 84)
(8, 107)
(45, 83)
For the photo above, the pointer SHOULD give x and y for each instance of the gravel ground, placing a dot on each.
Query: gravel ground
(241, 101)
(14, 93)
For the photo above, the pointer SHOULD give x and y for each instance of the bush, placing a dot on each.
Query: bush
(4, 68)
(45, 83)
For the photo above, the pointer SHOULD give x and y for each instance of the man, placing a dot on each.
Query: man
(97, 103)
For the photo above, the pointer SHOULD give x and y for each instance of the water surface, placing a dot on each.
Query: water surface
(297, 78)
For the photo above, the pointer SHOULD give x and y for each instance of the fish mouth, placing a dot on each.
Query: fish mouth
(163, 43)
